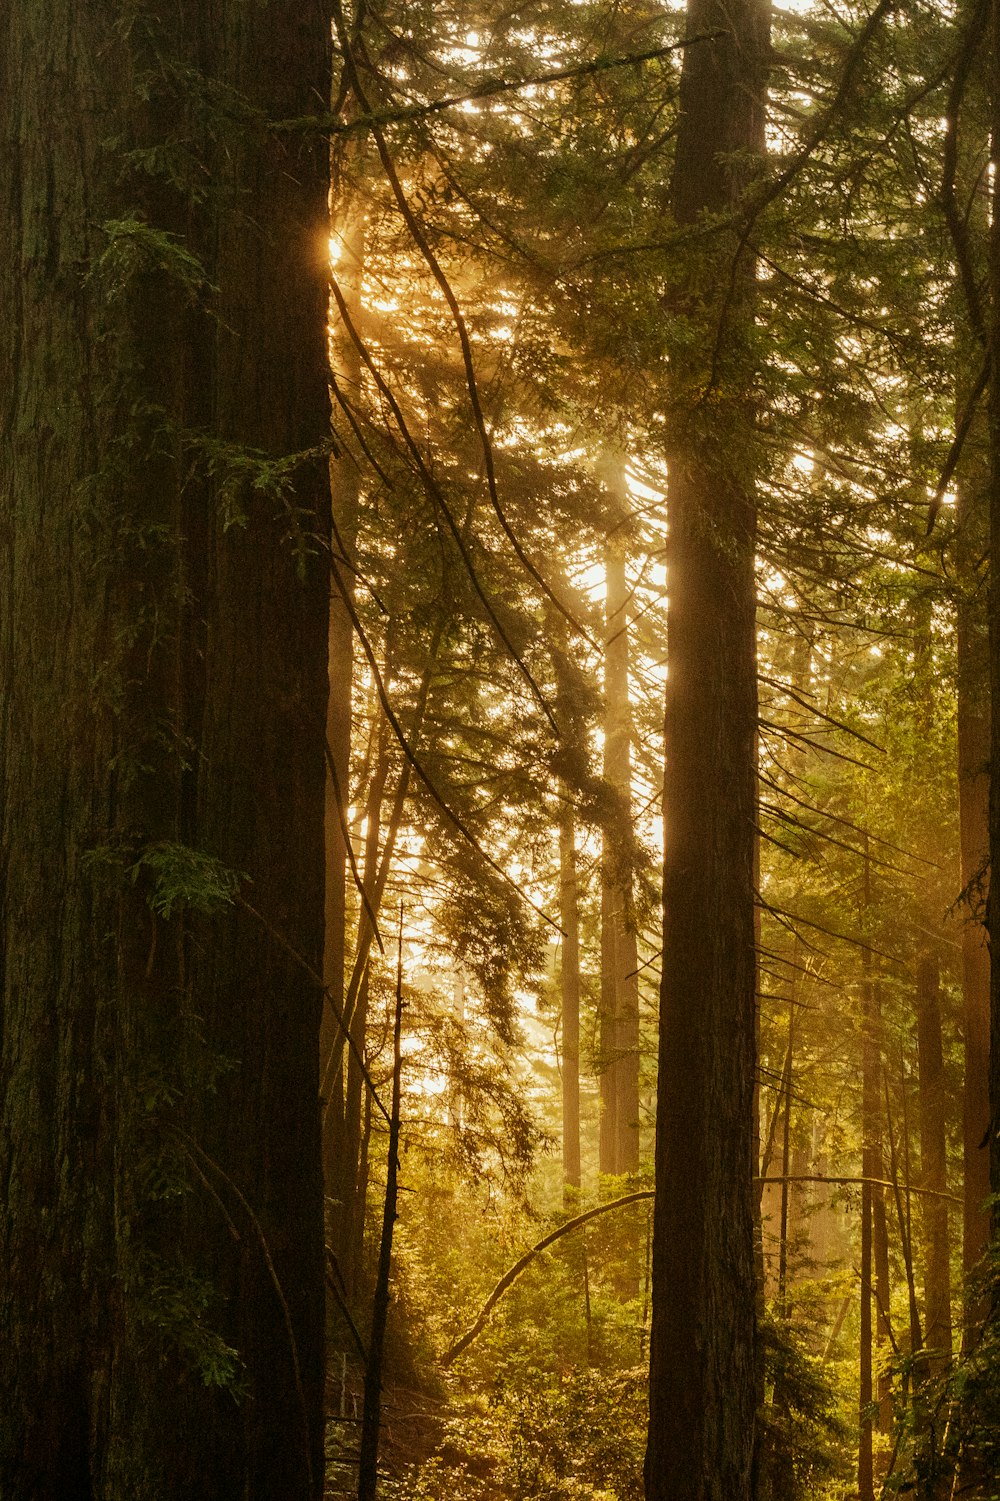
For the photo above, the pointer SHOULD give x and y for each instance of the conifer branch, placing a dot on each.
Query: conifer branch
(490, 88)
(772, 190)
(465, 344)
(411, 756)
(437, 497)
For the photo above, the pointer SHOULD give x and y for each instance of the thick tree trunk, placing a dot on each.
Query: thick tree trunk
(702, 1365)
(619, 1013)
(163, 609)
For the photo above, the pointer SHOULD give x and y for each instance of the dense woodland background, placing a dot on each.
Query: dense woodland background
(657, 340)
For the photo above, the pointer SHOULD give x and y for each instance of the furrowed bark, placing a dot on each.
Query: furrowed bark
(703, 1365)
(163, 610)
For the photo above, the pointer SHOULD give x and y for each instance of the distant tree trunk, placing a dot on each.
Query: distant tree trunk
(993, 920)
(930, 1056)
(619, 1012)
(163, 634)
(348, 234)
(351, 1211)
(933, 1162)
(702, 1360)
(569, 986)
(874, 1231)
(786, 1160)
(572, 771)
(372, 1409)
(869, 1133)
(456, 1102)
(974, 820)
(866, 1470)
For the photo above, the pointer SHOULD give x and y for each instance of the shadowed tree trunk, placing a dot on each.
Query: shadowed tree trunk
(973, 807)
(994, 613)
(163, 610)
(702, 1361)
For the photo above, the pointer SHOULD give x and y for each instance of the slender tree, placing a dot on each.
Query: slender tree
(619, 1012)
(163, 598)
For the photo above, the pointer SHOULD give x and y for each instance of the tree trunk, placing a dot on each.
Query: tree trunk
(874, 1231)
(619, 1013)
(788, 1073)
(933, 1163)
(372, 1410)
(866, 1469)
(351, 1211)
(930, 1053)
(569, 983)
(347, 224)
(973, 807)
(993, 922)
(702, 1358)
(163, 609)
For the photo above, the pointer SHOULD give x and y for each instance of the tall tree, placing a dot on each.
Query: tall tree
(702, 1356)
(163, 598)
(619, 1012)
(993, 411)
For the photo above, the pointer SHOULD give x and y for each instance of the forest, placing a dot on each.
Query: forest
(497, 642)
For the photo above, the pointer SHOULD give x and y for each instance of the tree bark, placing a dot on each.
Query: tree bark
(993, 920)
(569, 984)
(973, 807)
(619, 1013)
(347, 224)
(933, 1162)
(372, 1410)
(930, 1054)
(702, 1365)
(163, 609)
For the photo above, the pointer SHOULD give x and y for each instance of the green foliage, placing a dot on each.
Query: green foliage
(243, 475)
(173, 1303)
(186, 879)
(135, 248)
(951, 1432)
(803, 1444)
(539, 1436)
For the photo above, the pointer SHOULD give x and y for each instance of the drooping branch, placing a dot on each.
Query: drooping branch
(490, 88)
(437, 497)
(512, 1274)
(568, 1226)
(465, 343)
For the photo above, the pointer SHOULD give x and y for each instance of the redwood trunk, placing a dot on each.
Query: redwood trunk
(702, 1368)
(162, 694)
